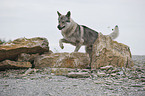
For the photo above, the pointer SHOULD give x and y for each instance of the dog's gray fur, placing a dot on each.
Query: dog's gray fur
(78, 35)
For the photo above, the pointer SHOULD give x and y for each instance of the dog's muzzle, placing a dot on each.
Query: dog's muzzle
(59, 27)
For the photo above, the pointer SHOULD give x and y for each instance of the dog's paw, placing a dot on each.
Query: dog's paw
(61, 46)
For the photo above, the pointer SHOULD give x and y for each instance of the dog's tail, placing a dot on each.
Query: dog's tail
(115, 33)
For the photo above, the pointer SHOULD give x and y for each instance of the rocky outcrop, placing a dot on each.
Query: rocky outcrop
(62, 60)
(108, 52)
(7, 64)
(23, 45)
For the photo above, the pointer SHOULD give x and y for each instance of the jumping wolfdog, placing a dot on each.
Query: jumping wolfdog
(78, 35)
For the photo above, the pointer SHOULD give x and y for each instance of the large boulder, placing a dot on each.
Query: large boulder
(63, 60)
(8, 64)
(23, 45)
(108, 52)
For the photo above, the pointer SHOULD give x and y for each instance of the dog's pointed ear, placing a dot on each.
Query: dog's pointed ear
(59, 14)
(68, 14)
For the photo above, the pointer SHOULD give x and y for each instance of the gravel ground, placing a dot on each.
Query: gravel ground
(42, 83)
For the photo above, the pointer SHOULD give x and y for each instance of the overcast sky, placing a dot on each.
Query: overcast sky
(38, 18)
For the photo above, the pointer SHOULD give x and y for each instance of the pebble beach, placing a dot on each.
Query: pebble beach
(43, 83)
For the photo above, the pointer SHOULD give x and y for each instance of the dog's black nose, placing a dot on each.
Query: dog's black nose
(59, 27)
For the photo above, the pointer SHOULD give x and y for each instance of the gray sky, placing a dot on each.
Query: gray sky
(38, 18)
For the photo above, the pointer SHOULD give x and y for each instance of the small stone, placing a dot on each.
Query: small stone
(116, 83)
(110, 88)
(101, 74)
(139, 69)
(113, 74)
(144, 88)
(99, 82)
(136, 85)
(142, 76)
(115, 70)
(143, 80)
(94, 76)
(78, 75)
(119, 81)
(108, 82)
(53, 70)
(106, 67)
(109, 71)
(120, 73)
(123, 76)
(85, 70)
(133, 77)
(29, 71)
(59, 71)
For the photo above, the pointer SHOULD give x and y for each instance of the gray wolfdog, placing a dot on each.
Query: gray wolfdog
(78, 35)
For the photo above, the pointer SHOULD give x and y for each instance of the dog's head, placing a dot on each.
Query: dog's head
(63, 20)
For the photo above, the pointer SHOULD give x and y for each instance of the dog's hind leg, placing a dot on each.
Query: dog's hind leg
(89, 51)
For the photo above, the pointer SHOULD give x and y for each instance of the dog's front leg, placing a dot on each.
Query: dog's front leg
(61, 43)
(78, 46)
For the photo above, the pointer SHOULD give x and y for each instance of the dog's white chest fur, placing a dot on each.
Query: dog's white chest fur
(69, 30)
